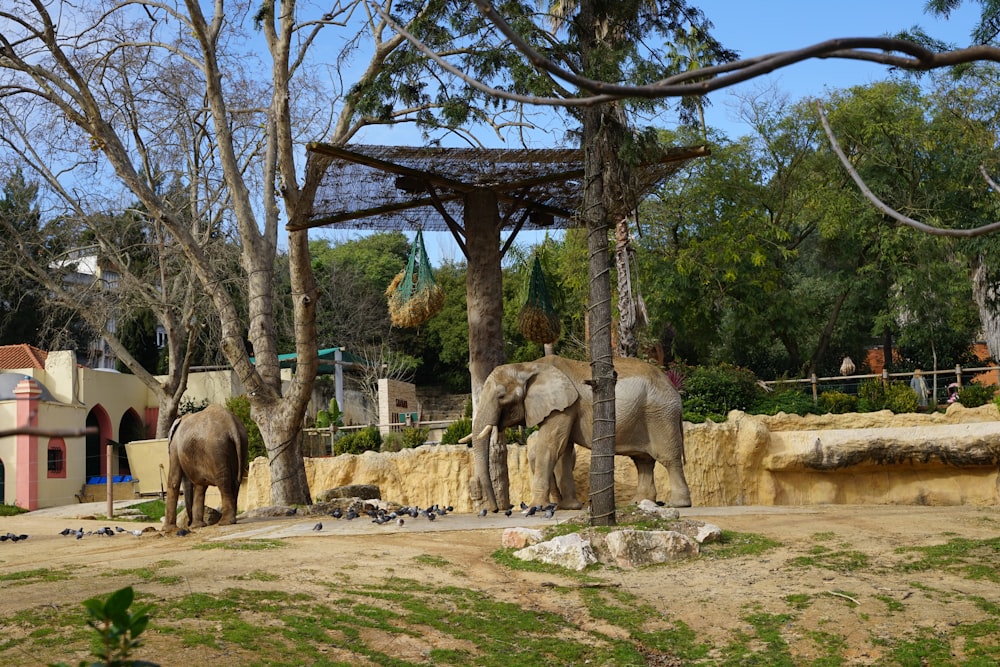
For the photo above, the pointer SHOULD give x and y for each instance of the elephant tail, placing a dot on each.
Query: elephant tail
(680, 433)
(173, 429)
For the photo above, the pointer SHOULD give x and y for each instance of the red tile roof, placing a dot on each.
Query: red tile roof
(21, 356)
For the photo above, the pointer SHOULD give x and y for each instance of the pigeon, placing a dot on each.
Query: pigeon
(524, 505)
(530, 511)
(136, 532)
(79, 533)
(17, 538)
(4, 538)
(508, 512)
(550, 512)
(107, 531)
(182, 532)
(430, 516)
(482, 512)
(400, 522)
(351, 514)
(318, 526)
(336, 513)
(119, 529)
(66, 531)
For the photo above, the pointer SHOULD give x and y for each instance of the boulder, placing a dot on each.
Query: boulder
(518, 538)
(211, 516)
(668, 513)
(630, 548)
(570, 551)
(362, 491)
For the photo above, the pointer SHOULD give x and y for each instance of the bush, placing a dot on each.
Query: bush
(332, 417)
(900, 398)
(974, 394)
(456, 431)
(712, 391)
(837, 402)
(789, 401)
(871, 395)
(367, 439)
(391, 442)
(240, 406)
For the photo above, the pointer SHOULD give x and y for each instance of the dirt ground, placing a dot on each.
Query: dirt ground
(870, 607)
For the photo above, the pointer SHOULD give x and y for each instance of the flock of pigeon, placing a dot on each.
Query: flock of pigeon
(12, 537)
(548, 511)
(398, 517)
(78, 533)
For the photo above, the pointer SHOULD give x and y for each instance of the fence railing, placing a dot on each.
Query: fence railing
(319, 441)
(951, 375)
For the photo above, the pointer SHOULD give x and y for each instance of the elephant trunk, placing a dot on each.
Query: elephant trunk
(481, 446)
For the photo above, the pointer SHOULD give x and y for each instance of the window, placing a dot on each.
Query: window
(57, 458)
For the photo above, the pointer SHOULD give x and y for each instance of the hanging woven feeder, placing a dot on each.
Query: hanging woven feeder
(538, 320)
(413, 295)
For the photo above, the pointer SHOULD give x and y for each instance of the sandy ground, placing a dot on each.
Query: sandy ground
(711, 596)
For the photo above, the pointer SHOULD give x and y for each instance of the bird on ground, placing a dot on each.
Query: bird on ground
(66, 531)
(136, 532)
(79, 533)
(400, 522)
(4, 538)
(182, 532)
(107, 531)
(318, 526)
(482, 512)
(351, 515)
(508, 511)
(336, 513)
(524, 505)
(550, 512)
(530, 511)
(431, 516)
(119, 529)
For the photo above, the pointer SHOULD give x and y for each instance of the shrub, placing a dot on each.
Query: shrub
(332, 417)
(789, 401)
(974, 394)
(415, 436)
(240, 406)
(392, 442)
(367, 439)
(456, 431)
(871, 395)
(837, 402)
(712, 391)
(900, 398)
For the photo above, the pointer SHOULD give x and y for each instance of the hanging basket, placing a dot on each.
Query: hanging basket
(538, 320)
(413, 295)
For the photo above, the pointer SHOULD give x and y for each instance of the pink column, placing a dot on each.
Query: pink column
(27, 393)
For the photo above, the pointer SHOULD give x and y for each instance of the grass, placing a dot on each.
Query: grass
(11, 510)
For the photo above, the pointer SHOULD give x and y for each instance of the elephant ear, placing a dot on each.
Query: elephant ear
(548, 390)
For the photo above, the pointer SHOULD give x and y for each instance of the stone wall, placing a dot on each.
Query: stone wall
(872, 458)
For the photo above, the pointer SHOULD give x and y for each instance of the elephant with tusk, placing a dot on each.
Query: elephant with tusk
(553, 393)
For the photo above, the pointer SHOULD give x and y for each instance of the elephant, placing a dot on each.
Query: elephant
(554, 394)
(207, 448)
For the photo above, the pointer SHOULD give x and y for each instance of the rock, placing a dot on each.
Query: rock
(630, 548)
(270, 511)
(707, 533)
(363, 491)
(211, 516)
(569, 551)
(518, 538)
(668, 513)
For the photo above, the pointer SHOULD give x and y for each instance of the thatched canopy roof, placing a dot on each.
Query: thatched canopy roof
(395, 187)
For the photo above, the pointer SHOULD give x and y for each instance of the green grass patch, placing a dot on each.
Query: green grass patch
(427, 559)
(242, 545)
(257, 575)
(971, 559)
(154, 509)
(11, 510)
(838, 561)
(38, 575)
(736, 545)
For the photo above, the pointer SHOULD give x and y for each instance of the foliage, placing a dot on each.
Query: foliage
(357, 442)
(117, 629)
(332, 417)
(415, 436)
(240, 406)
(11, 510)
(189, 406)
(712, 391)
(837, 402)
(391, 442)
(789, 401)
(456, 430)
(871, 395)
(975, 394)
(900, 398)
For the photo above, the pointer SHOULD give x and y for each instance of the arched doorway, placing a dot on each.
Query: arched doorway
(96, 464)
(129, 428)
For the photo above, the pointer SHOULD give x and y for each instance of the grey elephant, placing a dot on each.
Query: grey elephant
(207, 448)
(553, 393)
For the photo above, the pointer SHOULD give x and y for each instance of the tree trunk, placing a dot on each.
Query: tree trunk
(485, 309)
(987, 299)
(628, 344)
(602, 460)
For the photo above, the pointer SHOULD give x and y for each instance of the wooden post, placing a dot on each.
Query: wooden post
(815, 390)
(111, 490)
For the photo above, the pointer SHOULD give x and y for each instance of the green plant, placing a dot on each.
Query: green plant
(117, 629)
(712, 391)
(415, 436)
(837, 402)
(332, 417)
(189, 405)
(11, 510)
(974, 394)
(789, 401)
(871, 395)
(240, 406)
(467, 412)
(456, 431)
(900, 398)
(357, 442)
(391, 442)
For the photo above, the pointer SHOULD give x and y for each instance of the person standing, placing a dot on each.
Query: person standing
(919, 387)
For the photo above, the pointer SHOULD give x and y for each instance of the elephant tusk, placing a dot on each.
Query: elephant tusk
(494, 436)
(483, 434)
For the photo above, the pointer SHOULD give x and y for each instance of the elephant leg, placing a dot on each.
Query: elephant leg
(228, 510)
(645, 488)
(555, 495)
(680, 494)
(197, 509)
(170, 508)
(551, 440)
(188, 497)
(565, 481)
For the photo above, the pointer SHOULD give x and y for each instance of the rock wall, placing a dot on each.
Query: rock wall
(871, 458)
